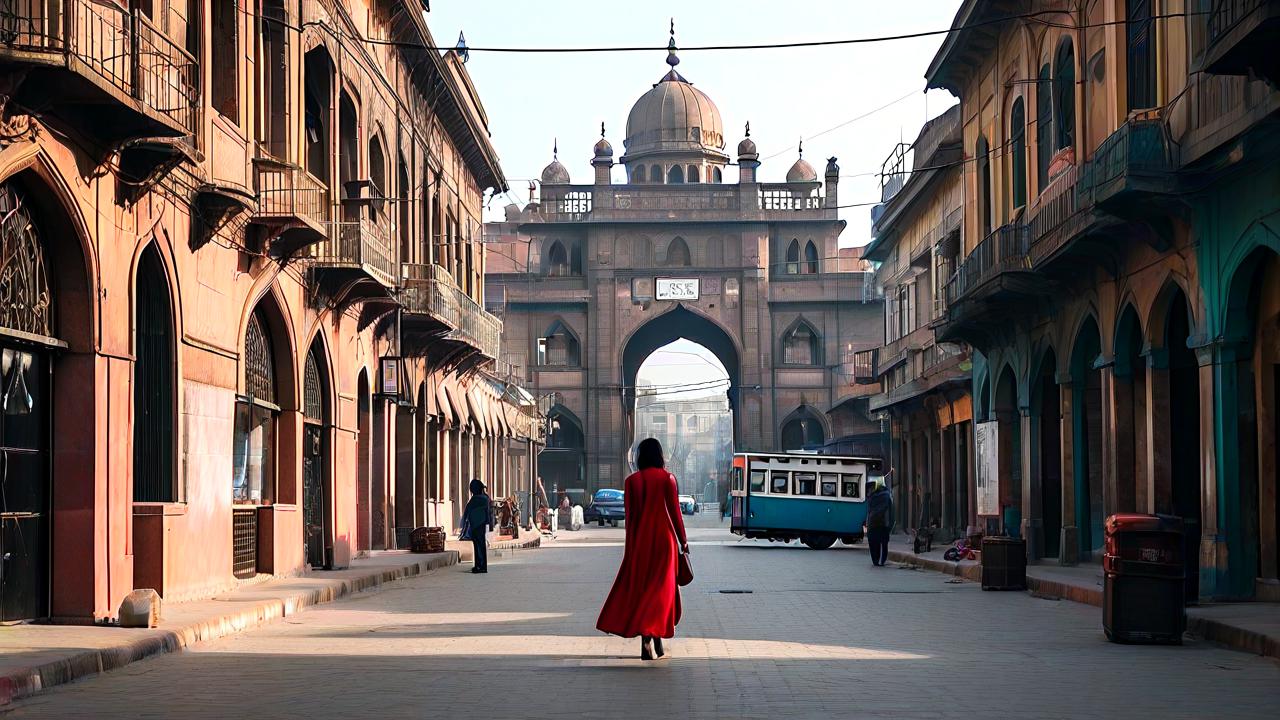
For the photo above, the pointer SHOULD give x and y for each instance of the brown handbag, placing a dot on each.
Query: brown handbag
(684, 569)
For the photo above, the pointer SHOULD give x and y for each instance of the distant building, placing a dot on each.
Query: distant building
(592, 278)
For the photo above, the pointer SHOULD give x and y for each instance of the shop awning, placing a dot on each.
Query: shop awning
(477, 410)
(433, 405)
(500, 409)
(459, 405)
(444, 408)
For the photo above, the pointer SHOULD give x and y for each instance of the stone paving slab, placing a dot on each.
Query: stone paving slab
(1250, 627)
(35, 657)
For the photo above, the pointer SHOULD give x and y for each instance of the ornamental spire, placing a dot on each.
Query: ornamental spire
(672, 59)
(555, 149)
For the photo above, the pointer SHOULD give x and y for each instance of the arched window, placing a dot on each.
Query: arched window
(558, 347)
(800, 346)
(348, 147)
(693, 174)
(1044, 127)
(793, 257)
(637, 174)
(575, 258)
(810, 266)
(154, 424)
(1018, 154)
(716, 176)
(982, 160)
(378, 167)
(275, 77)
(678, 253)
(405, 209)
(802, 431)
(318, 100)
(675, 176)
(1064, 94)
(254, 448)
(1140, 47)
(557, 260)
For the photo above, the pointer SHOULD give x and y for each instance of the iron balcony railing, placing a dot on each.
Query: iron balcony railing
(358, 244)
(1004, 250)
(1138, 148)
(288, 191)
(1227, 13)
(430, 290)
(117, 47)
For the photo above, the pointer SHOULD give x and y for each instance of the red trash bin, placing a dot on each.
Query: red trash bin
(1142, 597)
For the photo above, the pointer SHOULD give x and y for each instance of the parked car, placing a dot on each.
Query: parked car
(688, 505)
(606, 506)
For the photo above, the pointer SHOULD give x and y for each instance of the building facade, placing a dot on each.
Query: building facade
(240, 296)
(593, 278)
(1118, 272)
(924, 385)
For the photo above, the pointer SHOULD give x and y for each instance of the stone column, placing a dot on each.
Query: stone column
(1069, 552)
(1159, 432)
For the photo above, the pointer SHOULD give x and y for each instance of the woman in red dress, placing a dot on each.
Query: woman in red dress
(645, 600)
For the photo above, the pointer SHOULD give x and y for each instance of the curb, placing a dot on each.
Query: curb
(1216, 631)
(28, 681)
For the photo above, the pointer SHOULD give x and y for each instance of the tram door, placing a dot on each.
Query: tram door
(24, 484)
(313, 494)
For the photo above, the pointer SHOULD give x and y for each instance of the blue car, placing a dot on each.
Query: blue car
(606, 506)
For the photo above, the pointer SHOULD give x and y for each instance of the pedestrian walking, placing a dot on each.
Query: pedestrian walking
(645, 599)
(478, 518)
(879, 520)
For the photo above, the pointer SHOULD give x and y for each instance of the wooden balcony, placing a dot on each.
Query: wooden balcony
(105, 71)
(990, 284)
(294, 208)
(1242, 39)
(441, 322)
(355, 261)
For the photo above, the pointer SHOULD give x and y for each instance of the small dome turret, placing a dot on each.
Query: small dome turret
(555, 173)
(602, 148)
(802, 171)
(747, 148)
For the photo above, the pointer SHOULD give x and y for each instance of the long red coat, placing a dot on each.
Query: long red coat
(645, 599)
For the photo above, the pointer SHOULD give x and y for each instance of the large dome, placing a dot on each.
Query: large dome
(674, 116)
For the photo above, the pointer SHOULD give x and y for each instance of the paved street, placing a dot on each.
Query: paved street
(769, 631)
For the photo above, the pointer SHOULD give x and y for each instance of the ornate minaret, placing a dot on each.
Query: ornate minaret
(603, 160)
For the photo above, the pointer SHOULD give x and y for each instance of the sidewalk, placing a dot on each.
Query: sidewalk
(1249, 626)
(34, 657)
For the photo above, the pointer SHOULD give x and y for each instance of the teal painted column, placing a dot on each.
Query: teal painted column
(1228, 559)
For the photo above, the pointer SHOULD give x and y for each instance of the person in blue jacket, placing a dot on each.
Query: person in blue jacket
(478, 517)
(879, 520)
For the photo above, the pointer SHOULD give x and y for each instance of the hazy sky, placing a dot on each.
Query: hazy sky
(786, 94)
(684, 370)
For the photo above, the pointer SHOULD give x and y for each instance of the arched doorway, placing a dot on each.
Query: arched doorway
(364, 451)
(406, 452)
(154, 384)
(317, 502)
(561, 464)
(714, 398)
(1046, 407)
(1184, 433)
(1130, 402)
(802, 431)
(1009, 451)
(1086, 388)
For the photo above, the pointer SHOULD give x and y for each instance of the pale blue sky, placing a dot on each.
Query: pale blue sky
(786, 94)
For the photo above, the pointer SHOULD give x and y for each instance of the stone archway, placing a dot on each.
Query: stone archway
(1087, 438)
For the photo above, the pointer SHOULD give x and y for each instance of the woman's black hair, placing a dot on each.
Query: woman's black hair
(649, 454)
(477, 487)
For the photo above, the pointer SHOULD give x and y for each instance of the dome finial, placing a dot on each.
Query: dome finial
(800, 149)
(555, 149)
(601, 128)
(748, 128)
(672, 59)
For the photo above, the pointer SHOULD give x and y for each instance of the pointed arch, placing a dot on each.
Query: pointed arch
(678, 254)
(555, 260)
(155, 385)
(1064, 94)
(1166, 300)
(675, 176)
(803, 429)
(559, 346)
(811, 259)
(801, 344)
(1018, 153)
(793, 257)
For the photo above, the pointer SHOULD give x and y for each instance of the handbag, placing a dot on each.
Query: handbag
(465, 531)
(684, 568)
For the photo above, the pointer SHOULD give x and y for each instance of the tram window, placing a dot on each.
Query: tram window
(830, 481)
(757, 481)
(852, 486)
(780, 482)
(806, 484)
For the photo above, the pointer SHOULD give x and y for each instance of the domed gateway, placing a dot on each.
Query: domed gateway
(595, 278)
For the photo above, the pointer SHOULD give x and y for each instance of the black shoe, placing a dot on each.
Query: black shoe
(476, 571)
(657, 647)
(646, 650)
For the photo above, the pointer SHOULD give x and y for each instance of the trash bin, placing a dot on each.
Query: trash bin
(1004, 563)
(1142, 591)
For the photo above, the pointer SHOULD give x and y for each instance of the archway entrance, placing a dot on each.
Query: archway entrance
(316, 500)
(561, 464)
(681, 402)
(1046, 404)
(1086, 388)
(364, 452)
(1130, 400)
(1184, 434)
(1009, 449)
(699, 385)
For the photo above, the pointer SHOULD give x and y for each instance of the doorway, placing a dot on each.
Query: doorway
(24, 476)
(1184, 435)
(316, 503)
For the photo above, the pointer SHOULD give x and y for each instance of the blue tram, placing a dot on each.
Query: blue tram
(784, 496)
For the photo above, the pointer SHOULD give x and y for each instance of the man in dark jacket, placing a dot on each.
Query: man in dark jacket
(478, 517)
(879, 520)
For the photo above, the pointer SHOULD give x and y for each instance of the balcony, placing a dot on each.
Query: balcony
(294, 207)
(1242, 39)
(443, 323)
(862, 369)
(355, 261)
(695, 202)
(989, 284)
(1135, 163)
(937, 367)
(106, 71)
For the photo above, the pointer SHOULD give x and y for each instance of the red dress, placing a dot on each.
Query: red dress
(645, 599)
